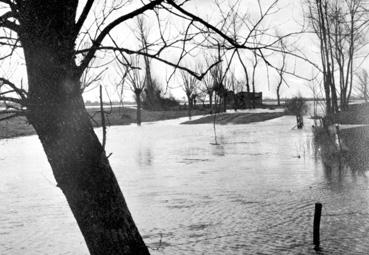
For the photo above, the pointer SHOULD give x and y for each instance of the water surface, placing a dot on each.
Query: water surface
(254, 193)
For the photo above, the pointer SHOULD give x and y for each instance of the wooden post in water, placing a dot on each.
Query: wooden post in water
(316, 234)
(300, 121)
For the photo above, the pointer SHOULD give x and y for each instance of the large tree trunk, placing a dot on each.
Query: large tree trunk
(57, 112)
(83, 173)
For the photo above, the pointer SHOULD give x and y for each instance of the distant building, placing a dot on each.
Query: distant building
(245, 99)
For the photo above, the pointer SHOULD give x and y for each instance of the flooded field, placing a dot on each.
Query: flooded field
(254, 193)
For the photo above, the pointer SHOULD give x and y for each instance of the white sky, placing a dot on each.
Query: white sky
(285, 20)
(288, 19)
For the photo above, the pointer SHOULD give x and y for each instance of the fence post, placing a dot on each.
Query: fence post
(316, 234)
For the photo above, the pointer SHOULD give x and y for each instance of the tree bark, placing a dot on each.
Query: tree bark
(83, 173)
(57, 112)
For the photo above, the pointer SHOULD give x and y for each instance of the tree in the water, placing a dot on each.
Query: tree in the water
(298, 107)
(50, 33)
(47, 32)
(341, 28)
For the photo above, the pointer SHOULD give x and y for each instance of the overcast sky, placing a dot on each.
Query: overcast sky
(287, 19)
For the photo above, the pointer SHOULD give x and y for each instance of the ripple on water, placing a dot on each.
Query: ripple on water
(250, 194)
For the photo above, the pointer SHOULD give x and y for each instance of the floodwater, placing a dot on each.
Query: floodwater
(253, 193)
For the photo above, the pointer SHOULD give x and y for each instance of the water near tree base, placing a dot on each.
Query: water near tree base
(253, 193)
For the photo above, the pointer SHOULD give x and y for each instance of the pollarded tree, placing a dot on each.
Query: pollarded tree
(209, 90)
(49, 33)
(189, 85)
(151, 97)
(235, 86)
(207, 84)
(219, 78)
(132, 74)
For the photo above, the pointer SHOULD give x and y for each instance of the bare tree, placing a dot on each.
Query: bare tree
(247, 80)
(234, 85)
(189, 85)
(255, 62)
(363, 84)
(50, 35)
(218, 76)
(207, 81)
(131, 73)
(340, 26)
(143, 37)
(281, 72)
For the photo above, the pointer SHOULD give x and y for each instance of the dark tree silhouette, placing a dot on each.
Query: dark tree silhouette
(189, 85)
(340, 27)
(132, 74)
(49, 33)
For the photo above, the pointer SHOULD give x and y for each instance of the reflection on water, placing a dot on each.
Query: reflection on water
(254, 193)
(343, 151)
(144, 156)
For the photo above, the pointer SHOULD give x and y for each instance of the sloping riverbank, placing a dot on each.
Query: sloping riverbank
(19, 126)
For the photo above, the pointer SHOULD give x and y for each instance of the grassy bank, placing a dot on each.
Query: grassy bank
(237, 118)
(117, 116)
(355, 114)
(124, 116)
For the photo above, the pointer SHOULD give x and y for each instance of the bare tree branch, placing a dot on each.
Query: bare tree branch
(96, 43)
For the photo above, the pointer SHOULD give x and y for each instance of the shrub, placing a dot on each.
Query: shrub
(152, 98)
(296, 106)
